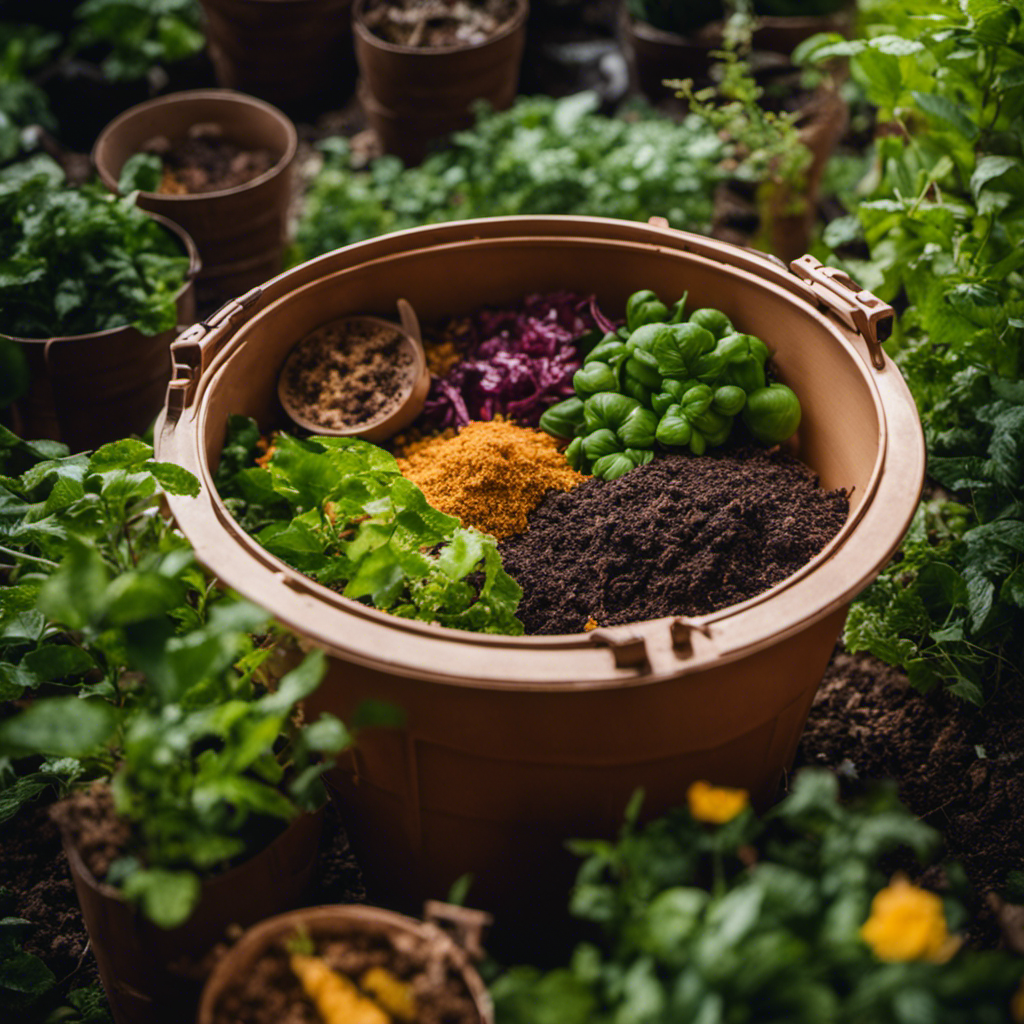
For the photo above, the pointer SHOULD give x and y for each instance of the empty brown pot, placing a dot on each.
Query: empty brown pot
(515, 744)
(241, 231)
(88, 389)
(152, 976)
(294, 53)
(339, 922)
(413, 95)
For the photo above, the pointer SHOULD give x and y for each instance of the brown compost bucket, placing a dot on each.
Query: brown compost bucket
(295, 53)
(241, 231)
(153, 976)
(413, 95)
(340, 922)
(514, 745)
(87, 389)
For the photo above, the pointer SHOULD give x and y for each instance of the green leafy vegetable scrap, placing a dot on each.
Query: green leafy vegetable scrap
(339, 510)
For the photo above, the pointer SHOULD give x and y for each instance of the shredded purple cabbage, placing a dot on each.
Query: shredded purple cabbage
(518, 361)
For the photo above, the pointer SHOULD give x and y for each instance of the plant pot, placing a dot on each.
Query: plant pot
(414, 95)
(241, 231)
(294, 53)
(88, 389)
(337, 922)
(655, 55)
(152, 976)
(515, 744)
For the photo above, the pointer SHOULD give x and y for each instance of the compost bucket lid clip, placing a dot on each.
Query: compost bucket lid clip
(857, 308)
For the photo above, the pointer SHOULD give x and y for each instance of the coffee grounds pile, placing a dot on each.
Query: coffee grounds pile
(206, 161)
(490, 475)
(270, 993)
(348, 372)
(679, 536)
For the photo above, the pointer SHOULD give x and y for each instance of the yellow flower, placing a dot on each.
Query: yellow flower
(715, 804)
(1017, 1004)
(907, 923)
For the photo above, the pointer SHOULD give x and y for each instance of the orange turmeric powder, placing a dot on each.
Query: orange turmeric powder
(491, 475)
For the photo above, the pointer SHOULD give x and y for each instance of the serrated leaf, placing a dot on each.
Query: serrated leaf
(175, 479)
(949, 114)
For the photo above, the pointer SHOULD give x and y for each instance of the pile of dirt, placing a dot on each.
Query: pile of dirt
(205, 160)
(438, 23)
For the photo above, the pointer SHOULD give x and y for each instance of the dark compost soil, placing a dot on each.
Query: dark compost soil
(348, 372)
(679, 536)
(207, 161)
(271, 994)
(437, 23)
(957, 768)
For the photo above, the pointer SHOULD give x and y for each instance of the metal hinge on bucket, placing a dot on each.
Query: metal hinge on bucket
(193, 351)
(858, 309)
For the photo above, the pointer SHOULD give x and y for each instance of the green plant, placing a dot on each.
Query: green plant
(541, 156)
(712, 915)
(661, 379)
(22, 103)
(140, 33)
(945, 230)
(339, 510)
(80, 260)
(685, 16)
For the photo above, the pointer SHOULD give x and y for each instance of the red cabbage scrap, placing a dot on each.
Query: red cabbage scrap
(516, 362)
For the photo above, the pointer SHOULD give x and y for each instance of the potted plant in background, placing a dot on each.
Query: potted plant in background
(422, 68)
(193, 776)
(218, 163)
(93, 294)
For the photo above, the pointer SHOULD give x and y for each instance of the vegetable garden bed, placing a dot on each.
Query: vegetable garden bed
(97, 596)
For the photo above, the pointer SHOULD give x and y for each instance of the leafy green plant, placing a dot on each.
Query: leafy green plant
(339, 510)
(140, 33)
(22, 103)
(686, 16)
(712, 915)
(80, 260)
(676, 382)
(24, 978)
(541, 156)
(945, 230)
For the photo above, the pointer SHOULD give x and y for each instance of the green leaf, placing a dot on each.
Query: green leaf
(948, 113)
(296, 685)
(167, 898)
(58, 661)
(75, 594)
(175, 480)
(126, 454)
(59, 727)
(141, 172)
(326, 735)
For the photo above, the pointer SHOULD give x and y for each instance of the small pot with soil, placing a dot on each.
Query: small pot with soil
(343, 963)
(226, 178)
(422, 66)
(152, 975)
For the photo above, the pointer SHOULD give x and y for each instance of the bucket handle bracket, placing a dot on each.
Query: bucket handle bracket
(193, 351)
(854, 306)
(629, 651)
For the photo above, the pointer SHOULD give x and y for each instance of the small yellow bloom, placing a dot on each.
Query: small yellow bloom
(908, 923)
(1017, 1004)
(715, 804)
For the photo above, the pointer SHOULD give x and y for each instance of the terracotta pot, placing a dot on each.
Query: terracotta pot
(515, 744)
(413, 95)
(338, 922)
(240, 232)
(88, 389)
(655, 55)
(152, 976)
(294, 53)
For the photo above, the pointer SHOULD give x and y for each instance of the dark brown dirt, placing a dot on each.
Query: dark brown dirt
(272, 994)
(348, 372)
(680, 536)
(88, 817)
(33, 867)
(437, 23)
(956, 767)
(206, 161)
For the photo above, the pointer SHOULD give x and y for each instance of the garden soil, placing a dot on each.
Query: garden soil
(206, 161)
(679, 536)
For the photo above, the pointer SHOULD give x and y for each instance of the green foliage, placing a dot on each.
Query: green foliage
(22, 103)
(338, 510)
(666, 380)
(24, 978)
(686, 16)
(541, 156)
(754, 921)
(141, 172)
(945, 228)
(140, 33)
(140, 672)
(73, 261)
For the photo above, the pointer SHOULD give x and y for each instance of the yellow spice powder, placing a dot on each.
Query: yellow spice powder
(491, 474)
